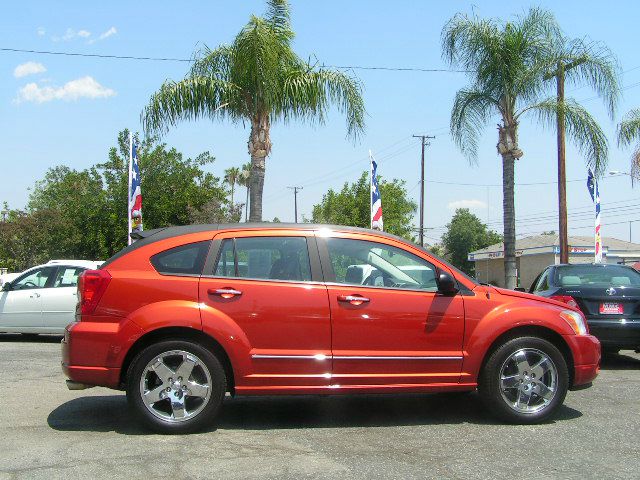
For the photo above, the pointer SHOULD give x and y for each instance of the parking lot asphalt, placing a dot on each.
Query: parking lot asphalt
(49, 432)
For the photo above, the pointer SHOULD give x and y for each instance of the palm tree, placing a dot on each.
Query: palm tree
(507, 63)
(629, 131)
(232, 176)
(258, 79)
(245, 181)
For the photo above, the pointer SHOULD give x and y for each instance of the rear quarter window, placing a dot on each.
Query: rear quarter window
(183, 260)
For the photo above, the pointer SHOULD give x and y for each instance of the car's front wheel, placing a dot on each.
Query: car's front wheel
(524, 380)
(176, 386)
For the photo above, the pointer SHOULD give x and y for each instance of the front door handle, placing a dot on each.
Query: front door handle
(224, 292)
(35, 295)
(353, 299)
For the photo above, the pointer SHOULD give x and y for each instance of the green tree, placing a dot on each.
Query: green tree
(629, 132)
(352, 206)
(466, 233)
(258, 79)
(232, 177)
(507, 63)
(29, 239)
(90, 206)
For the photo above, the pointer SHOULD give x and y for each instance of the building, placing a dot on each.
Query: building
(535, 253)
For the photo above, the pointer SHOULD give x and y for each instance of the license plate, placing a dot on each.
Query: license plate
(611, 309)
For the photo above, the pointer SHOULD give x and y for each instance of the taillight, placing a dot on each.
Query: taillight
(568, 299)
(91, 286)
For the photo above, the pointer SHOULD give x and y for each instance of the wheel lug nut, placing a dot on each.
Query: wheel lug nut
(168, 389)
(179, 379)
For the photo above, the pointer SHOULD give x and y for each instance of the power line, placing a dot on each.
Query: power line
(189, 60)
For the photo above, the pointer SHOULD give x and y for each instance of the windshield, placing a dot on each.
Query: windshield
(596, 276)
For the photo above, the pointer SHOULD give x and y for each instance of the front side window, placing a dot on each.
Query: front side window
(183, 260)
(268, 258)
(358, 262)
(67, 277)
(34, 279)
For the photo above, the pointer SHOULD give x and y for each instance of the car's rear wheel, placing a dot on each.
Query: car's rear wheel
(525, 380)
(176, 386)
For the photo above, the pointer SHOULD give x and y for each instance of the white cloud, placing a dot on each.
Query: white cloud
(29, 68)
(85, 87)
(41, 31)
(70, 34)
(466, 204)
(108, 33)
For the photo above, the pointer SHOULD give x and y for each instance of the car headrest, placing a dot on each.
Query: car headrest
(570, 280)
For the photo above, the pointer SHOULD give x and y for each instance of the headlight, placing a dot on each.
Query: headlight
(576, 321)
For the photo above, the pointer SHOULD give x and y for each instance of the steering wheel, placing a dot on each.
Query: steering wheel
(28, 284)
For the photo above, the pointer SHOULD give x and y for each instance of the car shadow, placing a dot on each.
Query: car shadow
(111, 413)
(30, 338)
(625, 360)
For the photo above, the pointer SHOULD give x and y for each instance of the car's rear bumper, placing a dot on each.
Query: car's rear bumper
(616, 332)
(586, 359)
(92, 352)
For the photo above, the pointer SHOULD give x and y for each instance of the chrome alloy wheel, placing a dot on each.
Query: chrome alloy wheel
(175, 386)
(528, 380)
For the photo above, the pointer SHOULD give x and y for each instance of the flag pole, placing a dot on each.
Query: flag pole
(129, 190)
(370, 190)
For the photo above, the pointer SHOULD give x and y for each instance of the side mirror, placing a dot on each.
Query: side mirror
(447, 284)
(6, 286)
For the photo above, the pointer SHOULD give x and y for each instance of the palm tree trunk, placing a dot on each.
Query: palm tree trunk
(246, 206)
(232, 188)
(259, 147)
(508, 149)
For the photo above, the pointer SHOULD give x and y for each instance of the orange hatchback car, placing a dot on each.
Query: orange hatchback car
(186, 314)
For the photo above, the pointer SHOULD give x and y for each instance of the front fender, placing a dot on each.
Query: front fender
(482, 331)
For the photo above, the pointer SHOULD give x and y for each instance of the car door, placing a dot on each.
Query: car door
(21, 305)
(270, 285)
(389, 324)
(59, 301)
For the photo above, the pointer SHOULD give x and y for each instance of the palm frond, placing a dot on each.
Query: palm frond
(279, 16)
(189, 99)
(596, 65)
(582, 129)
(307, 94)
(471, 111)
(629, 128)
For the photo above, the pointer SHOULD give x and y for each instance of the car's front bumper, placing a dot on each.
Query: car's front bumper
(93, 352)
(586, 359)
(616, 332)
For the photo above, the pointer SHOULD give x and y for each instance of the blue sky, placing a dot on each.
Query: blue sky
(71, 112)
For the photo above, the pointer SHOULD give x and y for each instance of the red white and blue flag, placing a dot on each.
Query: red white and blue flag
(376, 200)
(135, 193)
(592, 185)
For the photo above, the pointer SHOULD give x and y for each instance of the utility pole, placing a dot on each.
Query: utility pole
(423, 139)
(295, 200)
(562, 174)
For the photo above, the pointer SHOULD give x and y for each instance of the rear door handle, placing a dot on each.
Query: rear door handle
(224, 292)
(353, 299)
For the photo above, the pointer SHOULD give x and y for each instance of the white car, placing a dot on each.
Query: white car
(43, 298)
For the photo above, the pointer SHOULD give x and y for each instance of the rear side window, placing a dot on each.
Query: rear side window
(268, 258)
(183, 260)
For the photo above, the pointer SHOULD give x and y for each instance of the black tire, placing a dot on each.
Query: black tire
(207, 409)
(491, 392)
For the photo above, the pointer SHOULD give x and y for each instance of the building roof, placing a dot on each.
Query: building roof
(550, 244)
(538, 241)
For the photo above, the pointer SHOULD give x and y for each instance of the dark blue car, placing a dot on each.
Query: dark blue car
(608, 295)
